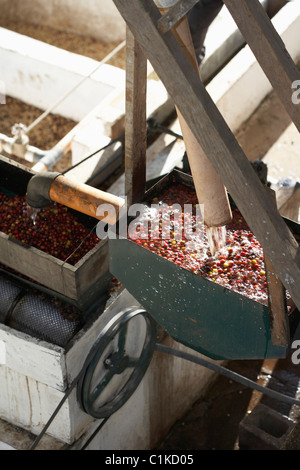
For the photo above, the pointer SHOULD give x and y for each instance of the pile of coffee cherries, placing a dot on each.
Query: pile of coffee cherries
(238, 265)
(54, 229)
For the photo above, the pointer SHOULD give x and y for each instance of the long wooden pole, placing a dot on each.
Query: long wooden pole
(135, 120)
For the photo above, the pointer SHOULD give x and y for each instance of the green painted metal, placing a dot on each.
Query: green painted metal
(196, 312)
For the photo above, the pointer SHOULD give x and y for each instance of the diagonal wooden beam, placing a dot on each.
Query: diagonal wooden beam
(206, 122)
(269, 50)
(180, 9)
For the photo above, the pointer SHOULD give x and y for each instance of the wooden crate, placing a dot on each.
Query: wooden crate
(35, 376)
(82, 282)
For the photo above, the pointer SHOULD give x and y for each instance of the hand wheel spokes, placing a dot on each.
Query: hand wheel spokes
(115, 369)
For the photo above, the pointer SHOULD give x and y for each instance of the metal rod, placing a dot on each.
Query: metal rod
(228, 373)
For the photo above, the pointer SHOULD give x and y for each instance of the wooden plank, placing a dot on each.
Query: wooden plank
(38, 265)
(280, 331)
(217, 140)
(28, 404)
(269, 50)
(175, 13)
(291, 206)
(33, 358)
(135, 120)
(71, 281)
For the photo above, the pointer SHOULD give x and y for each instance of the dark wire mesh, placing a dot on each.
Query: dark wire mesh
(8, 293)
(36, 315)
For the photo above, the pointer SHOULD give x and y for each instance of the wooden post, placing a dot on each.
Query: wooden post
(269, 50)
(279, 324)
(210, 129)
(174, 14)
(280, 331)
(135, 121)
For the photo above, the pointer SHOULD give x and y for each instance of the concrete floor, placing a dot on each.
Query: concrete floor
(213, 422)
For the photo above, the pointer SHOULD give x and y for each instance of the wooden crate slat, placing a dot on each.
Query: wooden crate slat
(38, 265)
(70, 281)
(217, 140)
(42, 361)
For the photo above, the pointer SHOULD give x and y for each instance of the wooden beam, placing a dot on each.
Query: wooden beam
(135, 120)
(280, 330)
(269, 50)
(175, 13)
(216, 139)
(291, 206)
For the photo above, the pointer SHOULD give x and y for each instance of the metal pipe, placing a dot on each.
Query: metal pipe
(21, 149)
(50, 186)
(208, 185)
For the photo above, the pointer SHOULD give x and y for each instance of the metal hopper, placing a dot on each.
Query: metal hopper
(196, 312)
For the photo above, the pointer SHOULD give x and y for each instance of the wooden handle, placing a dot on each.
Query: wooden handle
(86, 199)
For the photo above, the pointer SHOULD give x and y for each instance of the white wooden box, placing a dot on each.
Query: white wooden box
(34, 376)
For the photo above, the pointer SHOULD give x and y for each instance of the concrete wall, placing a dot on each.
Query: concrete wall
(96, 18)
(40, 74)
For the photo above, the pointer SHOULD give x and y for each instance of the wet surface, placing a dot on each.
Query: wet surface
(213, 422)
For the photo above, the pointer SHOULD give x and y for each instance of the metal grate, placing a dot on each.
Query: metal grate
(36, 315)
(8, 294)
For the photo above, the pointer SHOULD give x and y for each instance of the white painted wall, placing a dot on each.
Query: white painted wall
(40, 74)
(242, 85)
(96, 18)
